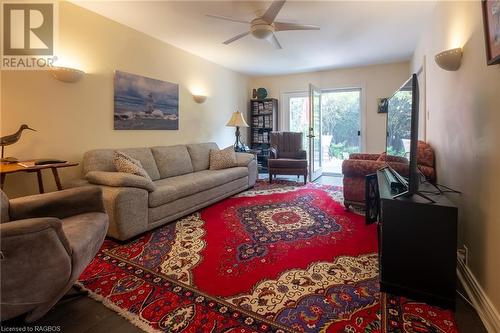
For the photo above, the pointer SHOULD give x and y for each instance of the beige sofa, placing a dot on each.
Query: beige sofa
(182, 183)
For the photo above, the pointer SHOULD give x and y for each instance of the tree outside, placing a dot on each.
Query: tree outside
(399, 123)
(341, 122)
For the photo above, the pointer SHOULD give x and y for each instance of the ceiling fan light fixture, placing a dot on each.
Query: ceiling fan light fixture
(264, 26)
(262, 30)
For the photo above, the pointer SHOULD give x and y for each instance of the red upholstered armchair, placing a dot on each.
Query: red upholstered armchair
(359, 165)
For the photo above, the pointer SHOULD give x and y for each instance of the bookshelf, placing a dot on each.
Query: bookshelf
(264, 120)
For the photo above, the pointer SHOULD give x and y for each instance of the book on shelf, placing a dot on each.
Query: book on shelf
(262, 107)
(261, 137)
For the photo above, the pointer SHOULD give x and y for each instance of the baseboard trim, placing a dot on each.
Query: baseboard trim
(485, 309)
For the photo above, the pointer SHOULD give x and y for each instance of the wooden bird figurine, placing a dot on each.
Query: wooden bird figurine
(13, 138)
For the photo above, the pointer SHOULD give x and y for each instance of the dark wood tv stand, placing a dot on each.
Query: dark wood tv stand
(417, 243)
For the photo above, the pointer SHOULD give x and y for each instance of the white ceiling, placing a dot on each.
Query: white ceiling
(352, 33)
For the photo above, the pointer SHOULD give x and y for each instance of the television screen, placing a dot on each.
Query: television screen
(402, 129)
(399, 114)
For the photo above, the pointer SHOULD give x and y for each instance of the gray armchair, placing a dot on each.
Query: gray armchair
(286, 155)
(47, 240)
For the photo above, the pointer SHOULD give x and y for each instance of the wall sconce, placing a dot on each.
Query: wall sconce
(449, 60)
(199, 98)
(66, 74)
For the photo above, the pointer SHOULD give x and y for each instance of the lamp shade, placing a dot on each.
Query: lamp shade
(237, 120)
(66, 74)
(449, 60)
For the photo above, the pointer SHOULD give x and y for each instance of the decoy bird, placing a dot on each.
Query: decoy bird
(13, 138)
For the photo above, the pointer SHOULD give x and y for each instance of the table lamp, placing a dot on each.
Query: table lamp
(237, 121)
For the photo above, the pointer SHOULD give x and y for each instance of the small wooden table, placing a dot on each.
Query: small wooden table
(6, 168)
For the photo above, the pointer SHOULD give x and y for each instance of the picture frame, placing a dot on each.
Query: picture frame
(143, 103)
(491, 22)
(382, 105)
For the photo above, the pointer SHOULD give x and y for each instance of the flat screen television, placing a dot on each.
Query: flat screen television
(402, 130)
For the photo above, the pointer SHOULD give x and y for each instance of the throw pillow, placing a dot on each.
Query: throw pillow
(125, 163)
(222, 159)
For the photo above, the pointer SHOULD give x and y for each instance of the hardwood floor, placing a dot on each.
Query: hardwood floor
(82, 315)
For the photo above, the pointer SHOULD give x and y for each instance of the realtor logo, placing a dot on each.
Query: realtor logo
(28, 29)
(28, 39)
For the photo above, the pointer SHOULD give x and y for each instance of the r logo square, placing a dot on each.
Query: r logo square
(28, 29)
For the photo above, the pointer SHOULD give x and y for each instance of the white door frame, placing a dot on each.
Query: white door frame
(314, 133)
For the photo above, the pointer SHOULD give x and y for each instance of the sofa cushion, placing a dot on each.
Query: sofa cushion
(173, 188)
(178, 208)
(126, 164)
(200, 153)
(102, 160)
(382, 157)
(222, 159)
(286, 163)
(172, 160)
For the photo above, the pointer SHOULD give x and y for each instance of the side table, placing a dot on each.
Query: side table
(6, 168)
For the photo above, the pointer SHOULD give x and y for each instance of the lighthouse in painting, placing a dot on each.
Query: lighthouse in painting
(149, 104)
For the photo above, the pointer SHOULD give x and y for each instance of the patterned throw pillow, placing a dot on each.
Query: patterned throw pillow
(125, 163)
(222, 159)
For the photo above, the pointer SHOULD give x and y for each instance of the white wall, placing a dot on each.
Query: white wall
(463, 126)
(376, 81)
(73, 118)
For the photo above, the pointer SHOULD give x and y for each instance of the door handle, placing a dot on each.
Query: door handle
(359, 133)
(311, 136)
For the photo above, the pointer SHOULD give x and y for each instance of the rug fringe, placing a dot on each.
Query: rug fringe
(130, 317)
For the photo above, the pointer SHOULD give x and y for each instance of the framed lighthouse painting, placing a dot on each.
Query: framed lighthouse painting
(491, 20)
(143, 103)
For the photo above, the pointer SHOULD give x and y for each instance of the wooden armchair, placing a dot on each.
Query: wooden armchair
(286, 155)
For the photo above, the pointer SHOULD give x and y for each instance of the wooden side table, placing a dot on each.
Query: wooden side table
(6, 168)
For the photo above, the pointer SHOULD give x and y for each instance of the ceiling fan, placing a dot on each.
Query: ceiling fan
(265, 26)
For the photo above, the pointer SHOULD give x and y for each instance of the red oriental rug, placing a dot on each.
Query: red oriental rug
(277, 258)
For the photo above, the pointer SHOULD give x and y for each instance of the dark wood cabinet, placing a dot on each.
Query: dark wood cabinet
(417, 244)
(263, 121)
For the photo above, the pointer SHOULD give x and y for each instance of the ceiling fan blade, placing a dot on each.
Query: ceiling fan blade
(274, 40)
(227, 18)
(235, 38)
(283, 26)
(273, 10)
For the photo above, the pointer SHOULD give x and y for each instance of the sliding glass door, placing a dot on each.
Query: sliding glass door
(335, 120)
(340, 127)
